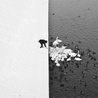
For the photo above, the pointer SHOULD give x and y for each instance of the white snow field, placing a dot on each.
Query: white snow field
(23, 65)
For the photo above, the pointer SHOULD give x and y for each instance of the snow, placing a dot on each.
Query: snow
(23, 65)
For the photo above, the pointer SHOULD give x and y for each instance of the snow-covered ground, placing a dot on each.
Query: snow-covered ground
(23, 65)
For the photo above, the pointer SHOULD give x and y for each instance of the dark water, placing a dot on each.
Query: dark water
(77, 27)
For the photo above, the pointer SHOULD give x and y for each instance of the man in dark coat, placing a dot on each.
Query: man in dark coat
(42, 42)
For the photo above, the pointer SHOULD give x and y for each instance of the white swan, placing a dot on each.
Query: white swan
(56, 42)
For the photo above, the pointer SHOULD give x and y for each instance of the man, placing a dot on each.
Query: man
(43, 43)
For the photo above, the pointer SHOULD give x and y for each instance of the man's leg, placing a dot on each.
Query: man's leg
(41, 45)
(45, 44)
